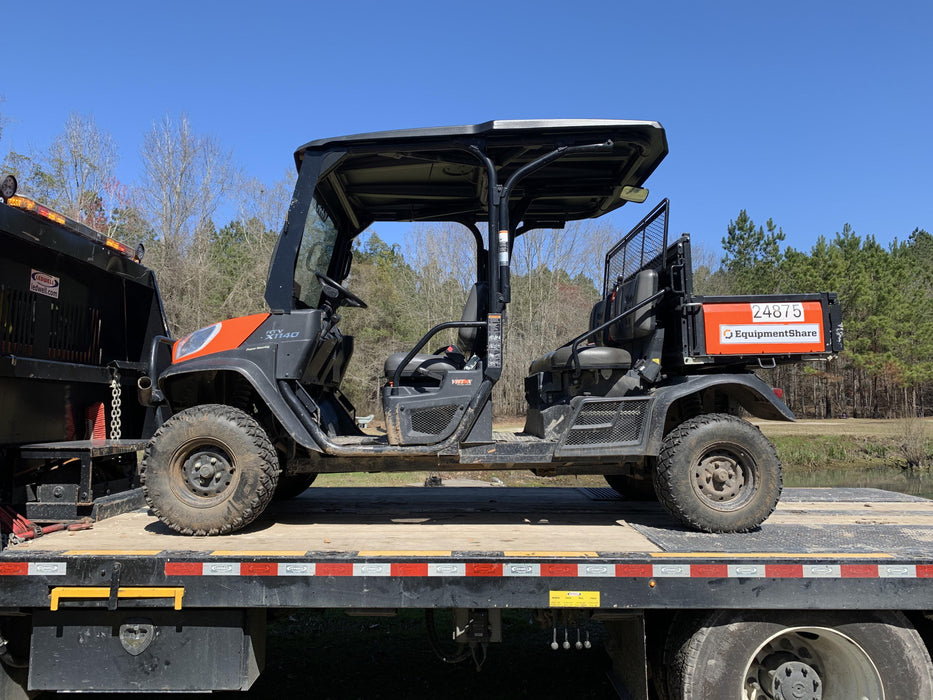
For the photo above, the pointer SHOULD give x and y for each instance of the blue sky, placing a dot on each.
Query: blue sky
(816, 114)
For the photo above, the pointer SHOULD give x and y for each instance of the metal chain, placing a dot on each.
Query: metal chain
(115, 407)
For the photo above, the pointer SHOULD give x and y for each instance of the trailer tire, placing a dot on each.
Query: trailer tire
(835, 655)
(291, 485)
(209, 470)
(13, 683)
(718, 473)
(14, 669)
(630, 488)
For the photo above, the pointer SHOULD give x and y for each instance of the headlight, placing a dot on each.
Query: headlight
(195, 342)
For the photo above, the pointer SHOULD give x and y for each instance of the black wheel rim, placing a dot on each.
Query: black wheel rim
(203, 473)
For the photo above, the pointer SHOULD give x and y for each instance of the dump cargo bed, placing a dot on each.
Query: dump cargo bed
(493, 547)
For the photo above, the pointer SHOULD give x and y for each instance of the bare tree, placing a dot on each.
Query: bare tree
(81, 160)
(443, 259)
(186, 177)
(241, 250)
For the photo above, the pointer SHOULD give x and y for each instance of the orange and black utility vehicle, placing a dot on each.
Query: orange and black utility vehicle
(648, 394)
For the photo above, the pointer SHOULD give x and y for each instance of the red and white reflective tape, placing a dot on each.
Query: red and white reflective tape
(33, 568)
(508, 569)
(543, 570)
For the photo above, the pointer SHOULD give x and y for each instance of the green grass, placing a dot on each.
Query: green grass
(820, 451)
(815, 451)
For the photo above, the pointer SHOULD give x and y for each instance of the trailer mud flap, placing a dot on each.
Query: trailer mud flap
(627, 650)
(146, 649)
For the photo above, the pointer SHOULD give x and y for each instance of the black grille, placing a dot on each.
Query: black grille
(644, 247)
(608, 423)
(17, 322)
(597, 414)
(432, 421)
(74, 330)
(75, 334)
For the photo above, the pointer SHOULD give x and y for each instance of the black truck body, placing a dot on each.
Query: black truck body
(78, 316)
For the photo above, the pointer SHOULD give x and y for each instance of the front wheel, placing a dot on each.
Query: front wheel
(804, 655)
(291, 485)
(209, 470)
(718, 473)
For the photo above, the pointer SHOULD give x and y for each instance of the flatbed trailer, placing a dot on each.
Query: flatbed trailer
(835, 565)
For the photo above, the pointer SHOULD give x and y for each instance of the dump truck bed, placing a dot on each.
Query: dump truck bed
(493, 547)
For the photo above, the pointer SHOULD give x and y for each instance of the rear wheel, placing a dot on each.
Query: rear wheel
(799, 655)
(718, 473)
(209, 470)
(630, 488)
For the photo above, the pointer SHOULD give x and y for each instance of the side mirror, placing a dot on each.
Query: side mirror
(634, 194)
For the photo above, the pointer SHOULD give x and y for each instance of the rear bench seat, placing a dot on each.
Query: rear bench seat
(608, 356)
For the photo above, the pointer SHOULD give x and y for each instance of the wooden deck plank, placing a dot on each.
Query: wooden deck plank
(425, 520)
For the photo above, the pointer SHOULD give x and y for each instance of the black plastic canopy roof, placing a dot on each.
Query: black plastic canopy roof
(442, 174)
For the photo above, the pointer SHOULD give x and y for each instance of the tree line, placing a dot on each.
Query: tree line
(886, 292)
(188, 181)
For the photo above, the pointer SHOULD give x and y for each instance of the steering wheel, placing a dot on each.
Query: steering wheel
(339, 293)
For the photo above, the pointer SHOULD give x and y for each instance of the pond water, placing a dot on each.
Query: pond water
(888, 478)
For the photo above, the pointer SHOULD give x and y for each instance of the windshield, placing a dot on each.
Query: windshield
(314, 255)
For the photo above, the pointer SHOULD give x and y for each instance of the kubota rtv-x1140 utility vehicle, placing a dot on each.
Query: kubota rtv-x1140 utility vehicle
(647, 395)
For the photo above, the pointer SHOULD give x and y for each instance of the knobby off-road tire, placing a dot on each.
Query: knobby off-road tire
(630, 488)
(291, 485)
(799, 655)
(718, 473)
(209, 470)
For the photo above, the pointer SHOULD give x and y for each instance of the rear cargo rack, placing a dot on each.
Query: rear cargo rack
(644, 247)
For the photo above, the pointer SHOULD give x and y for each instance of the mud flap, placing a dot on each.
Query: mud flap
(627, 650)
(144, 649)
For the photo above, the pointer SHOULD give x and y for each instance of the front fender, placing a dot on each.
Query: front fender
(176, 381)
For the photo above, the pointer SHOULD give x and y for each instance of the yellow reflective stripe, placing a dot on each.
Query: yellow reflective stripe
(561, 555)
(115, 552)
(404, 553)
(258, 553)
